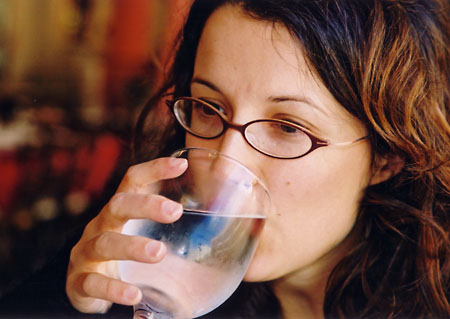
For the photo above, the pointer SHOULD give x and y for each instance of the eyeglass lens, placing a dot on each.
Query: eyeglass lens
(271, 137)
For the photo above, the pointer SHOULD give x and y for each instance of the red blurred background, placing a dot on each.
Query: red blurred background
(73, 75)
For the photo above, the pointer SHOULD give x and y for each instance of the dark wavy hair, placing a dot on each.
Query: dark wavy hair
(388, 63)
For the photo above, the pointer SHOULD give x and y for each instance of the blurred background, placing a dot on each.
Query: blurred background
(73, 76)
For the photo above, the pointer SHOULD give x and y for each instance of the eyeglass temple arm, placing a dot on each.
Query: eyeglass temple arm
(348, 143)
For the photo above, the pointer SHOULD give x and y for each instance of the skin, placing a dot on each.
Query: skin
(252, 69)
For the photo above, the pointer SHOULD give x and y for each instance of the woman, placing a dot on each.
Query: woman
(360, 224)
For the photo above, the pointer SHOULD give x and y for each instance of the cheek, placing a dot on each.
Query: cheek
(316, 206)
(319, 186)
(295, 190)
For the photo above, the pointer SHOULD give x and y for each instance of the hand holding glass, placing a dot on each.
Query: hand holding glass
(209, 247)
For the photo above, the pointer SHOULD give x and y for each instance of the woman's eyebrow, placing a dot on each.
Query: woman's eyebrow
(299, 99)
(205, 83)
(273, 99)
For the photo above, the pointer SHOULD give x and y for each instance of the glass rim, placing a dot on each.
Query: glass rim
(180, 151)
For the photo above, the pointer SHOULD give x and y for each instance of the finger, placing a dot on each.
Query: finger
(115, 246)
(139, 177)
(96, 291)
(125, 206)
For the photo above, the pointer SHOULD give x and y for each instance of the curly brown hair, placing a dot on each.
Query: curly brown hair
(388, 63)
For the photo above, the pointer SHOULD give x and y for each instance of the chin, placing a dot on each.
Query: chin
(259, 271)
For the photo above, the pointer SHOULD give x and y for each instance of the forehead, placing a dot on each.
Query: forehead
(253, 56)
(231, 21)
(232, 35)
(251, 61)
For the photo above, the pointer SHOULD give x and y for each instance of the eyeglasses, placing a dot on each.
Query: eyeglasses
(272, 137)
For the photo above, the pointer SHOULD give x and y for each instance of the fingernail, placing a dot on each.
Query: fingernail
(171, 208)
(177, 162)
(154, 249)
(132, 294)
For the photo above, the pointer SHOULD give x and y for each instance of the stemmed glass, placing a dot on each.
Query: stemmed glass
(209, 247)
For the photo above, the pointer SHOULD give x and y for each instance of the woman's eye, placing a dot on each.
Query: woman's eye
(203, 110)
(210, 109)
(288, 129)
(286, 133)
(206, 110)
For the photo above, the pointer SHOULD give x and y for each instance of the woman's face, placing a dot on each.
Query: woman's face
(254, 69)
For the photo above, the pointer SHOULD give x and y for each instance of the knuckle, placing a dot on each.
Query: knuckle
(116, 203)
(109, 289)
(156, 207)
(150, 200)
(131, 174)
(135, 248)
(91, 228)
(100, 243)
(74, 252)
(71, 279)
(77, 255)
(88, 285)
(114, 291)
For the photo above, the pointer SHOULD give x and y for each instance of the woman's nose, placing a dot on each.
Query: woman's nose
(233, 144)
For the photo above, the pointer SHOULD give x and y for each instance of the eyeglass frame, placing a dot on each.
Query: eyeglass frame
(315, 141)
